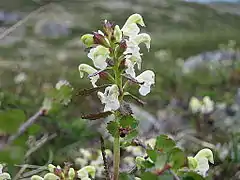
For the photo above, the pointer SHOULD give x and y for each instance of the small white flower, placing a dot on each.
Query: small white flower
(208, 105)
(130, 68)
(130, 30)
(99, 56)
(135, 150)
(143, 38)
(89, 70)
(110, 98)
(86, 171)
(151, 142)
(51, 168)
(146, 80)
(195, 105)
(61, 83)
(20, 78)
(130, 27)
(199, 163)
(129, 161)
(133, 53)
(5, 176)
(86, 153)
(81, 161)
(82, 173)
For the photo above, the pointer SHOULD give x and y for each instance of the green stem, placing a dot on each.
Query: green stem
(116, 151)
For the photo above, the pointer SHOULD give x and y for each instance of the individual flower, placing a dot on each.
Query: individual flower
(146, 79)
(207, 105)
(130, 27)
(142, 38)
(199, 163)
(129, 161)
(81, 161)
(86, 171)
(135, 150)
(84, 68)
(51, 168)
(86, 153)
(61, 83)
(133, 54)
(82, 173)
(99, 56)
(151, 142)
(20, 78)
(110, 98)
(130, 68)
(195, 105)
(4, 175)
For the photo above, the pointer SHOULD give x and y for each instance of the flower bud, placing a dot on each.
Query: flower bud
(121, 48)
(36, 177)
(51, 176)
(87, 39)
(117, 33)
(51, 168)
(108, 28)
(71, 173)
(99, 38)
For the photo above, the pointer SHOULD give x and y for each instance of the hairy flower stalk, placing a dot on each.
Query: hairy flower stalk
(117, 50)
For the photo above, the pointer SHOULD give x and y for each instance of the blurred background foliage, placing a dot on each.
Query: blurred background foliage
(194, 53)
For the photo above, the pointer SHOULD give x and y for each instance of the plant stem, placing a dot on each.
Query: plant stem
(116, 150)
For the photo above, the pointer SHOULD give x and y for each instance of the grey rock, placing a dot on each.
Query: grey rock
(217, 57)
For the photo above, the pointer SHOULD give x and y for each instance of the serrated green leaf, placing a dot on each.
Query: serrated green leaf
(152, 154)
(128, 121)
(192, 176)
(161, 160)
(148, 176)
(113, 127)
(131, 136)
(176, 158)
(164, 143)
(10, 120)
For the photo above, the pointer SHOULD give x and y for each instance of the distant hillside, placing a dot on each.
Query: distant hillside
(49, 42)
(232, 8)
